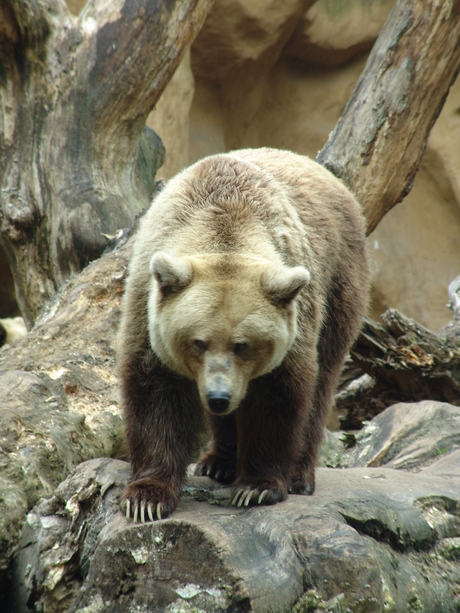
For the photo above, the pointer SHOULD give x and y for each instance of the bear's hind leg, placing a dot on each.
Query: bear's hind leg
(219, 463)
(346, 309)
(303, 475)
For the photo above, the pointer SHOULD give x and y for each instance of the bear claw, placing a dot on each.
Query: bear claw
(159, 510)
(243, 496)
(217, 468)
(140, 512)
(262, 497)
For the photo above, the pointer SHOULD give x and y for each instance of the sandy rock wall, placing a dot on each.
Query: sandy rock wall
(170, 118)
(335, 31)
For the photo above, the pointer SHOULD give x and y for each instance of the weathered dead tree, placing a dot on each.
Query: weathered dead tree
(380, 138)
(404, 362)
(74, 97)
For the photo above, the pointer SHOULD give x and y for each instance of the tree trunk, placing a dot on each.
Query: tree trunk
(74, 97)
(380, 138)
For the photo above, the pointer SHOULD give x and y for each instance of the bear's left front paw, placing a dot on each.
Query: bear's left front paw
(265, 493)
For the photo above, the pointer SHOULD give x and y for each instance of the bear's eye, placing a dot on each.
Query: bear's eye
(239, 348)
(200, 346)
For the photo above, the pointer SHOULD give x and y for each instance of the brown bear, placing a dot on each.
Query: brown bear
(247, 285)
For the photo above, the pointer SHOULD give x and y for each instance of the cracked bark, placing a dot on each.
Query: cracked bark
(380, 138)
(74, 97)
(406, 363)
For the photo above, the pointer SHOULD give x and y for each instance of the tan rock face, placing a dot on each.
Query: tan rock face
(416, 248)
(206, 122)
(170, 119)
(244, 34)
(294, 107)
(332, 32)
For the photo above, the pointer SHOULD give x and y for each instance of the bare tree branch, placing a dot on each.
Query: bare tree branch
(132, 50)
(380, 138)
(405, 363)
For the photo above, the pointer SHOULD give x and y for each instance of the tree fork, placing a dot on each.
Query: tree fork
(74, 97)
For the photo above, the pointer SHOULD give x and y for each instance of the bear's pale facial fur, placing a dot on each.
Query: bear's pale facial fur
(235, 322)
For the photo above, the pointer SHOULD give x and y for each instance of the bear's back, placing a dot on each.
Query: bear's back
(274, 204)
(264, 202)
(221, 204)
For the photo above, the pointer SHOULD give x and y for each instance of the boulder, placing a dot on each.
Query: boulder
(58, 394)
(244, 36)
(409, 436)
(371, 539)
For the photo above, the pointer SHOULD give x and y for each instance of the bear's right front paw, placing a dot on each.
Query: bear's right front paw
(146, 500)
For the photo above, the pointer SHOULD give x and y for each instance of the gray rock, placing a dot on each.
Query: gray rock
(369, 540)
(408, 436)
(41, 441)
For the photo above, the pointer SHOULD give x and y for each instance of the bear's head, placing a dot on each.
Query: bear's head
(222, 320)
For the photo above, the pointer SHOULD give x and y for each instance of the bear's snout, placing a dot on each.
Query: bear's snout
(218, 401)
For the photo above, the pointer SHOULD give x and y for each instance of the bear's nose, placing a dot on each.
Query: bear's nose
(218, 401)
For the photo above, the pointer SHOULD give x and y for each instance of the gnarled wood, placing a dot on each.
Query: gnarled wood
(380, 138)
(74, 97)
(406, 363)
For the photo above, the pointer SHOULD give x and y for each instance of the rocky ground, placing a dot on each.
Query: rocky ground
(381, 533)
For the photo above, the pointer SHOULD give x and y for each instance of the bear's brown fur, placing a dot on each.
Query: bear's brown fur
(248, 284)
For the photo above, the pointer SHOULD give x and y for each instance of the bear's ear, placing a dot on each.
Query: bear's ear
(283, 284)
(172, 274)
